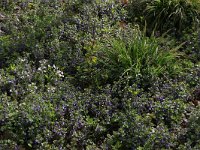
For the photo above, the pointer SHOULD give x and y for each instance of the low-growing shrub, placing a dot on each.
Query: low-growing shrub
(73, 77)
(40, 109)
(191, 47)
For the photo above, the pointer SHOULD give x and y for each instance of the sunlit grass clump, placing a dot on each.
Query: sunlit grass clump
(136, 55)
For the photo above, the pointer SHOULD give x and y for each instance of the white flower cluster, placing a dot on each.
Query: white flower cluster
(42, 67)
(51, 89)
(24, 74)
(22, 60)
(58, 72)
(32, 87)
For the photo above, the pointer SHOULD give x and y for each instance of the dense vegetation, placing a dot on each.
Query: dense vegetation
(99, 74)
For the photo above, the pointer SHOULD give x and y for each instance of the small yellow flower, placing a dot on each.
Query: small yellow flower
(134, 92)
(94, 59)
(31, 5)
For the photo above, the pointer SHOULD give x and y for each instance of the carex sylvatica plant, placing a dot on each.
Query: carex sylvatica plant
(167, 14)
(133, 54)
(164, 15)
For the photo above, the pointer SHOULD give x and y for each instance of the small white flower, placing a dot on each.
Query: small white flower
(39, 69)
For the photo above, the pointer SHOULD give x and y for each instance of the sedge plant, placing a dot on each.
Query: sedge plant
(167, 14)
(137, 56)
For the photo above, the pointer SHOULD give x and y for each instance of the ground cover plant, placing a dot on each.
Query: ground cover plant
(99, 74)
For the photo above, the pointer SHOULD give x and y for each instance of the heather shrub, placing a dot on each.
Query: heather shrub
(62, 32)
(49, 113)
(76, 75)
(161, 113)
(193, 130)
(34, 28)
(192, 44)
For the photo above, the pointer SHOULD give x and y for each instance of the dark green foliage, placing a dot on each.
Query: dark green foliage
(49, 113)
(75, 75)
(164, 15)
(192, 46)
